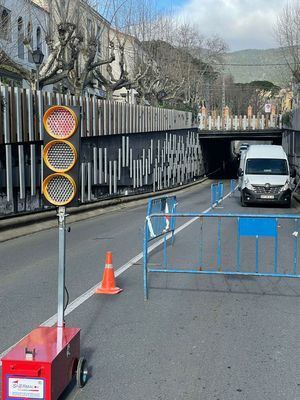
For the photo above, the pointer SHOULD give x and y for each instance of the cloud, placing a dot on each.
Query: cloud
(243, 24)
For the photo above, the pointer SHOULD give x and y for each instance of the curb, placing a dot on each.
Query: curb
(14, 227)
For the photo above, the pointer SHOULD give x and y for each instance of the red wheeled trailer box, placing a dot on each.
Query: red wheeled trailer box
(42, 364)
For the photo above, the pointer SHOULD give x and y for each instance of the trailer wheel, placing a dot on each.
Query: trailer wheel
(81, 372)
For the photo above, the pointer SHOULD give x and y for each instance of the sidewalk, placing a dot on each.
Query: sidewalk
(14, 227)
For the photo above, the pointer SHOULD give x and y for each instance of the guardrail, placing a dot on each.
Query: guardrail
(229, 244)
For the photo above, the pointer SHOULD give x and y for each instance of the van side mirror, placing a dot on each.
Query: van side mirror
(293, 173)
(240, 172)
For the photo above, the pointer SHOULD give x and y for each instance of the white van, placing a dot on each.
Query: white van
(241, 166)
(264, 176)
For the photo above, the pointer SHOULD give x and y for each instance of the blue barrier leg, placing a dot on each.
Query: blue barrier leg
(232, 186)
(256, 254)
(172, 237)
(276, 250)
(295, 247)
(238, 248)
(145, 253)
(201, 243)
(165, 252)
(220, 191)
(212, 195)
(219, 244)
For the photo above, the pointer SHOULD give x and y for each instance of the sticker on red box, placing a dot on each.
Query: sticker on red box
(25, 387)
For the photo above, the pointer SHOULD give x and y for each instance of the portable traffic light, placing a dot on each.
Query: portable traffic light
(61, 155)
(45, 361)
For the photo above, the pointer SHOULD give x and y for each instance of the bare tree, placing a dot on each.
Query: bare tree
(287, 31)
(74, 38)
(179, 52)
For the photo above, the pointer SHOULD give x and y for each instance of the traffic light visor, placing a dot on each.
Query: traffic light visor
(60, 122)
(59, 189)
(60, 156)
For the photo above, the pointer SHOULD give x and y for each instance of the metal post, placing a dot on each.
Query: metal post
(276, 249)
(201, 243)
(219, 245)
(165, 251)
(295, 247)
(257, 254)
(145, 254)
(61, 265)
(238, 249)
(37, 77)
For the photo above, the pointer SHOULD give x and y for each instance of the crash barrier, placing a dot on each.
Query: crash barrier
(217, 193)
(162, 205)
(228, 244)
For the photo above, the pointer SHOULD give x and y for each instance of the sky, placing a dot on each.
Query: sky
(243, 24)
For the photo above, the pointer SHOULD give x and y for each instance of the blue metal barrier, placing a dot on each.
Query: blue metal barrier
(233, 186)
(162, 205)
(213, 194)
(250, 230)
(217, 193)
(220, 191)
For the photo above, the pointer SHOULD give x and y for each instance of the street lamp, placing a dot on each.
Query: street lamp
(38, 57)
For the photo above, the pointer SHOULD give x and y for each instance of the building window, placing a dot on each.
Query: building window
(30, 38)
(98, 38)
(5, 25)
(90, 27)
(20, 38)
(39, 38)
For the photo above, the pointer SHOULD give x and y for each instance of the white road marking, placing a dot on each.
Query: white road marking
(89, 293)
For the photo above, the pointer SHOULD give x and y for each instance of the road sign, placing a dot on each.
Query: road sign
(268, 107)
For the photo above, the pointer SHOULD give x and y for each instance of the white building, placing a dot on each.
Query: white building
(20, 19)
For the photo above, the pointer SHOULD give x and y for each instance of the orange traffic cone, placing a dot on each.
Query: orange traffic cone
(108, 284)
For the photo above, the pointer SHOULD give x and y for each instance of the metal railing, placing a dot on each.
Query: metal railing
(239, 122)
(228, 244)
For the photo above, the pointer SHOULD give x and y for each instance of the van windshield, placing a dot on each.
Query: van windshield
(266, 166)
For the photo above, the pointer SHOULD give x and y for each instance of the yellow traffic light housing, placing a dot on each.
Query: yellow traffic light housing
(60, 122)
(59, 189)
(61, 155)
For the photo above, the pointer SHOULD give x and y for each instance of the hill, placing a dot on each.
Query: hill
(277, 74)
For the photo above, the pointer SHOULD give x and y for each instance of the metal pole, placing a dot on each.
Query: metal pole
(37, 77)
(61, 265)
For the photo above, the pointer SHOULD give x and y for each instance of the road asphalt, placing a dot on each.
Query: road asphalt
(197, 337)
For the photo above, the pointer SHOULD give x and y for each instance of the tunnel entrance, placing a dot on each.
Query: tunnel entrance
(221, 159)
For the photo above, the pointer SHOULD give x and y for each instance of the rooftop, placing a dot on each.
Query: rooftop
(265, 151)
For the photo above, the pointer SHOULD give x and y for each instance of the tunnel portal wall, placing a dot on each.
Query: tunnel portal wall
(111, 166)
